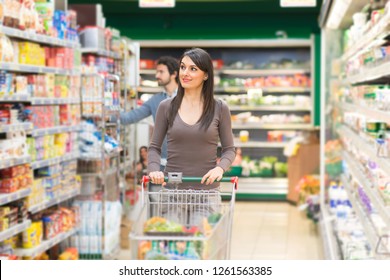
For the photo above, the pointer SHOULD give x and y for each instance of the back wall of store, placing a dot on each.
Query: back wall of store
(217, 19)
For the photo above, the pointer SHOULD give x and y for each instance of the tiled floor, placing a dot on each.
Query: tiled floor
(271, 231)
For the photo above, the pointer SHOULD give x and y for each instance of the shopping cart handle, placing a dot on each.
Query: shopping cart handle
(234, 180)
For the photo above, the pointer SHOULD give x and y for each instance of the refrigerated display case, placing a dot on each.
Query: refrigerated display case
(355, 158)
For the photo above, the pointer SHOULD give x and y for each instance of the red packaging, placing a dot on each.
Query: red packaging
(9, 172)
(5, 116)
(146, 64)
(218, 63)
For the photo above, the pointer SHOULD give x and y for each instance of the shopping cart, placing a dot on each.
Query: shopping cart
(183, 223)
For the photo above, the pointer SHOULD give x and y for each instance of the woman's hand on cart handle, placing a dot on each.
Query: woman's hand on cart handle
(213, 175)
(157, 177)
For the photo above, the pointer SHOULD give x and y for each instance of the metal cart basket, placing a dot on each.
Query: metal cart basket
(186, 224)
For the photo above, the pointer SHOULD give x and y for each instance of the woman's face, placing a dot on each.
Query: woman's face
(191, 77)
(144, 153)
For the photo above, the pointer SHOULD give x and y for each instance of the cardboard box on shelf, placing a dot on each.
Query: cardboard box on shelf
(125, 243)
(305, 162)
(125, 231)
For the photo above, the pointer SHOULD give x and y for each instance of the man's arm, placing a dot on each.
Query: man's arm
(145, 110)
(136, 115)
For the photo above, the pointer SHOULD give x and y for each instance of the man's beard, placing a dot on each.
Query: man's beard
(161, 83)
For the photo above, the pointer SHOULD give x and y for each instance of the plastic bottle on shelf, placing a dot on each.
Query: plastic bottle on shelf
(342, 209)
(173, 254)
(333, 196)
(153, 252)
(190, 252)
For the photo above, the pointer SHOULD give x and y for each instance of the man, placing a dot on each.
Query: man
(167, 76)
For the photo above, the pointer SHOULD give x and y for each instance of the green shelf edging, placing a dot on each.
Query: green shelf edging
(258, 197)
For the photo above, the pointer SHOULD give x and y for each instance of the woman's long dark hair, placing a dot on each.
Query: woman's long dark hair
(143, 160)
(202, 60)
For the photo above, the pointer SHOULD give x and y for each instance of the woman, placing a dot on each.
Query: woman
(142, 164)
(194, 123)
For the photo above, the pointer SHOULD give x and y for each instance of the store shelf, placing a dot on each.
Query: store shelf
(259, 144)
(8, 233)
(368, 112)
(51, 161)
(109, 111)
(253, 185)
(45, 245)
(237, 89)
(16, 127)
(92, 99)
(5, 163)
(32, 36)
(37, 69)
(101, 52)
(271, 126)
(286, 89)
(53, 101)
(364, 146)
(9, 197)
(54, 130)
(330, 246)
(370, 74)
(369, 188)
(15, 98)
(64, 197)
(259, 108)
(147, 71)
(89, 74)
(244, 90)
(99, 156)
(262, 72)
(98, 174)
(372, 38)
(150, 89)
(369, 230)
(39, 100)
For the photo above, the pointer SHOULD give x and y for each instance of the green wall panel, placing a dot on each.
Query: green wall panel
(210, 26)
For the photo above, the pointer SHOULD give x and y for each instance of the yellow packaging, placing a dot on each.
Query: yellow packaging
(25, 47)
(32, 236)
(22, 58)
(4, 210)
(4, 224)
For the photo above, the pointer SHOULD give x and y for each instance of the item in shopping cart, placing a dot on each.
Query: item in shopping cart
(191, 230)
(162, 226)
(155, 252)
(190, 253)
(214, 218)
(206, 227)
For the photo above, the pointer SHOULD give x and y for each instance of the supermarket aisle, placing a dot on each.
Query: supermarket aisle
(273, 231)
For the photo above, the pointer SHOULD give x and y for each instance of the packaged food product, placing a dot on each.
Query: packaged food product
(1, 11)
